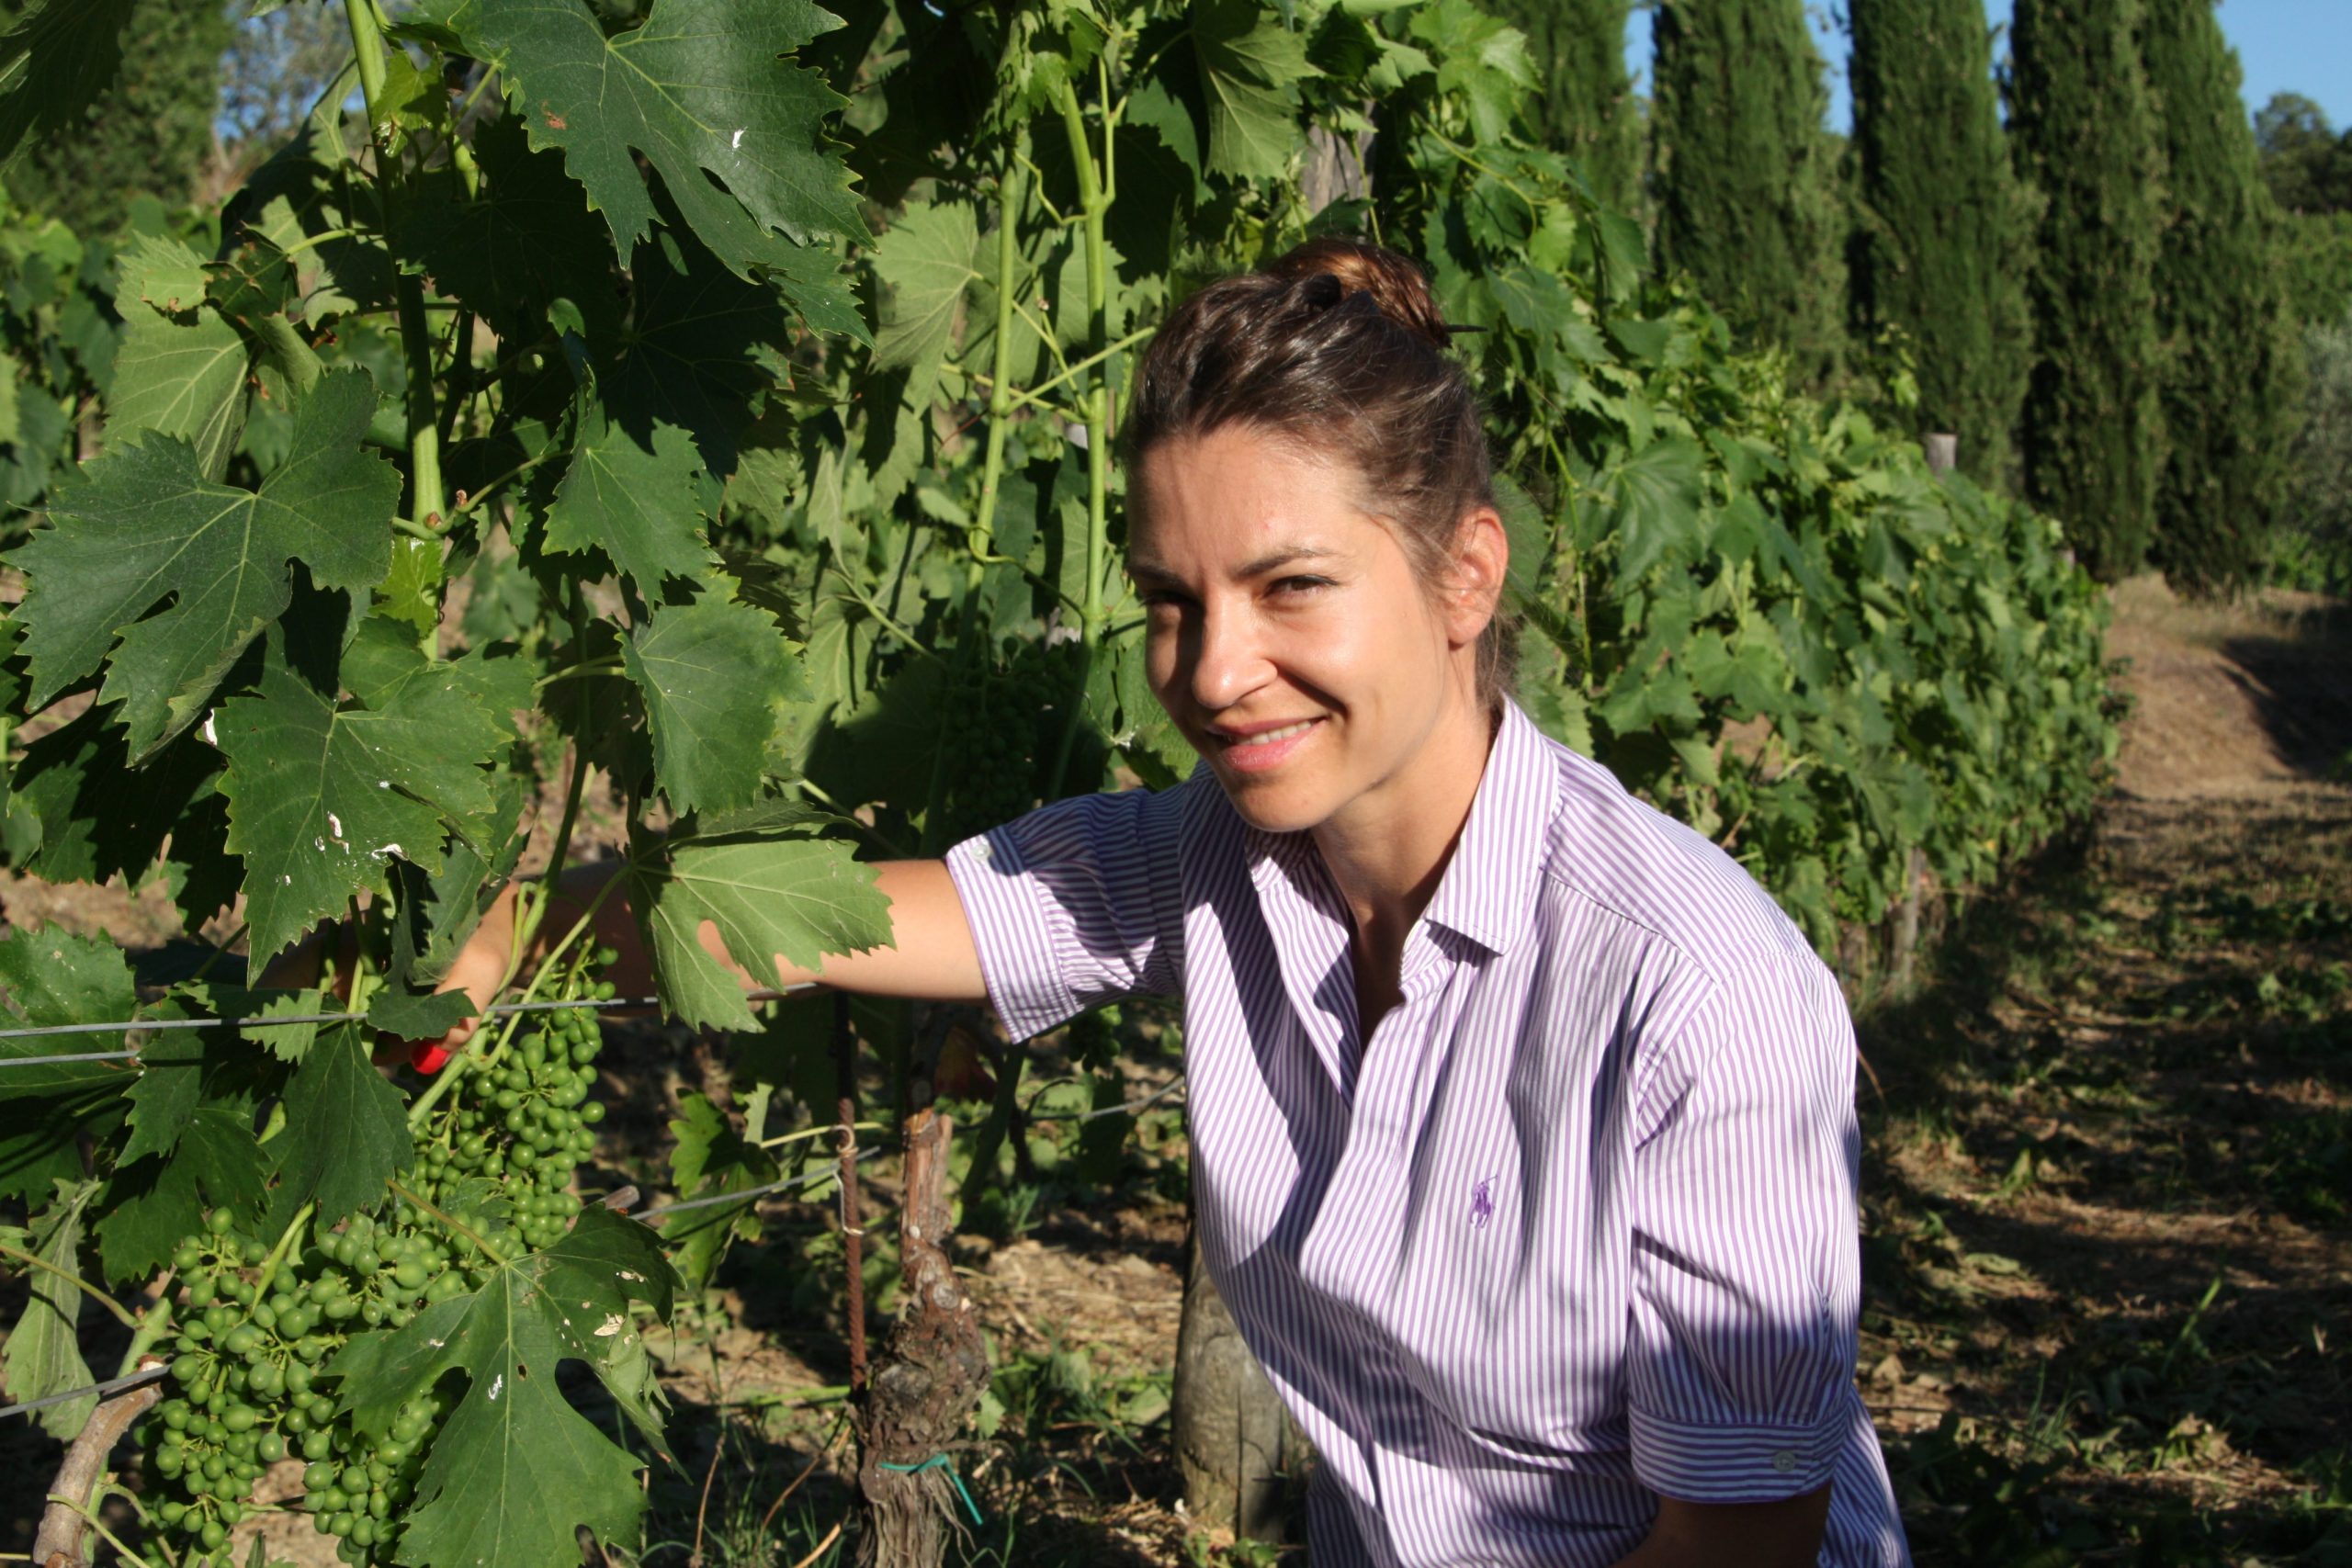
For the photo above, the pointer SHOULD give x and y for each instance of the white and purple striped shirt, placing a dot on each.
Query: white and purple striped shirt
(1578, 1228)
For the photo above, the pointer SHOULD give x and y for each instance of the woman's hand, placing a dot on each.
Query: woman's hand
(933, 955)
(479, 970)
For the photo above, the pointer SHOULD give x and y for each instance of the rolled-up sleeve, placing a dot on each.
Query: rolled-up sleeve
(1740, 1382)
(1074, 905)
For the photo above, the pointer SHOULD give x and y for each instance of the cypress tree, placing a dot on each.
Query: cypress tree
(1746, 179)
(1584, 106)
(2230, 352)
(1939, 253)
(2084, 137)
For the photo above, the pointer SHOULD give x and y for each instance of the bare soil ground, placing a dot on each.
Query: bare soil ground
(2110, 1170)
(2109, 1167)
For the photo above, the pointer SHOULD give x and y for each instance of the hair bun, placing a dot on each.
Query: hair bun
(1395, 283)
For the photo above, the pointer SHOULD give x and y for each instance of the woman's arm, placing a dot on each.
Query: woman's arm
(933, 955)
(1786, 1534)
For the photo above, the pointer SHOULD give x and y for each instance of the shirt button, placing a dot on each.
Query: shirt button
(982, 850)
(1784, 1462)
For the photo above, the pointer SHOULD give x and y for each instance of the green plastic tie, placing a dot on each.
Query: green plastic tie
(944, 1460)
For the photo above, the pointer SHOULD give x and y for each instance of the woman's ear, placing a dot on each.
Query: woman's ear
(1481, 567)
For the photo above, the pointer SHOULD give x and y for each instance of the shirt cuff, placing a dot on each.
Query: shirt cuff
(1019, 957)
(1733, 1463)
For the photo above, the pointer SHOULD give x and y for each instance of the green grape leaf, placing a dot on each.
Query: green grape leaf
(1657, 494)
(414, 1016)
(792, 1051)
(647, 475)
(180, 369)
(529, 239)
(170, 1088)
(736, 134)
(925, 261)
(285, 1042)
(42, 1354)
(51, 977)
(515, 1470)
(322, 798)
(1484, 63)
(54, 64)
(766, 895)
(702, 341)
(345, 1134)
(711, 1159)
(218, 1152)
(1153, 105)
(645, 503)
(146, 527)
(11, 423)
(715, 676)
(811, 280)
(1250, 65)
(149, 1208)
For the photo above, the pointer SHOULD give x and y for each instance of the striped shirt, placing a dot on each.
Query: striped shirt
(1576, 1227)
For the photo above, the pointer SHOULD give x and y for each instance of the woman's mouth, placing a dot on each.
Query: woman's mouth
(1262, 749)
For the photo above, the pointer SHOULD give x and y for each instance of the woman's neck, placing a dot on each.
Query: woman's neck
(1387, 850)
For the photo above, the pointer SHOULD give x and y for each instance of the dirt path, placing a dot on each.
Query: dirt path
(2109, 1174)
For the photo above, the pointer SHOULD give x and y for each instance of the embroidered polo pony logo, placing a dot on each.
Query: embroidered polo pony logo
(1481, 1203)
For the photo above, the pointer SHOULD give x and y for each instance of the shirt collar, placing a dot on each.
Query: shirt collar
(1487, 891)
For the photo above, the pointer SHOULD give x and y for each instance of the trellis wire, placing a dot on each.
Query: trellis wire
(807, 1178)
(113, 1385)
(1127, 1108)
(282, 1021)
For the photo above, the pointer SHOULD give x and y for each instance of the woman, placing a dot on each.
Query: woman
(1523, 1135)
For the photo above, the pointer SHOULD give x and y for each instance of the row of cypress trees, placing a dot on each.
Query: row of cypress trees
(2090, 292)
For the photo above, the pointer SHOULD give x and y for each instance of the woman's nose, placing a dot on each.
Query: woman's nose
(1227, 663)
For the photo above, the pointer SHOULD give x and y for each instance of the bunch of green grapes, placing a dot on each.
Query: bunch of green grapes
(527, 1123)
(989, 729)
(248, 1360)
(262, 1322)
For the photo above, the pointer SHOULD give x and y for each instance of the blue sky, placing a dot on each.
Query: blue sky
(2286, 46)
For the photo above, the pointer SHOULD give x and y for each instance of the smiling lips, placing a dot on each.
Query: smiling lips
(1253, 748)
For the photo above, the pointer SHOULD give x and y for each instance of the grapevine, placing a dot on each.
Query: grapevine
(253, 1363)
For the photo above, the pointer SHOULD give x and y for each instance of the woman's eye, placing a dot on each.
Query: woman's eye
(1302, 585)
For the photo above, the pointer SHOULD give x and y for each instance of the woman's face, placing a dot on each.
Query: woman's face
(1290, 638)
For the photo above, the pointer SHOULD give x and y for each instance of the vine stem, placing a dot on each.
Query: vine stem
(425, 503)
(154, 1324)
(852, 1231)
(1088, 363)
(277, 1253)
(454, 1223)
(1095, 184)
(123, 1314)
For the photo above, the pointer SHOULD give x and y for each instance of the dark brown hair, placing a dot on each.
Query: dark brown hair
(1340, 347)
